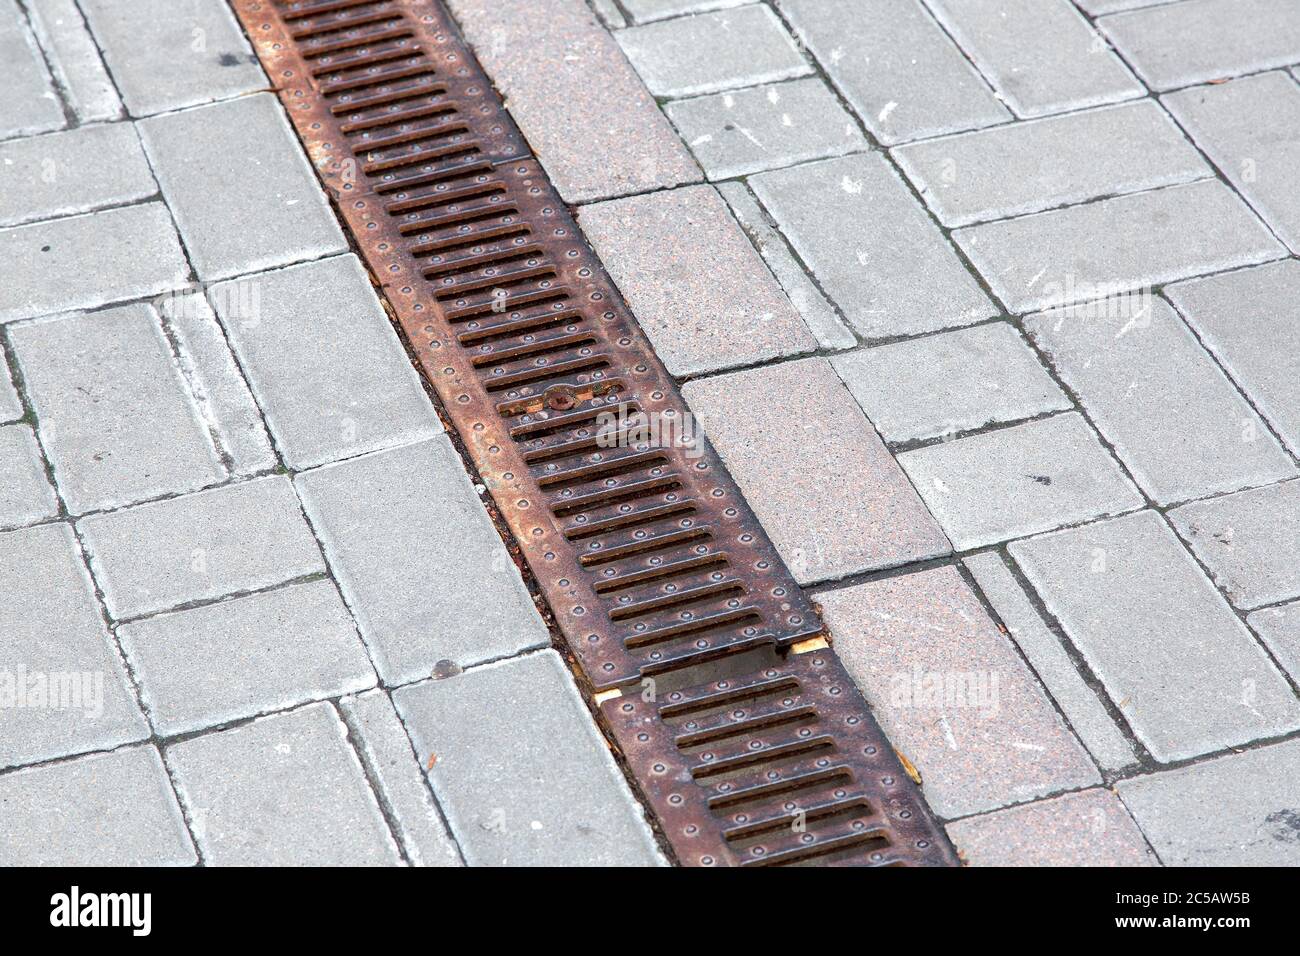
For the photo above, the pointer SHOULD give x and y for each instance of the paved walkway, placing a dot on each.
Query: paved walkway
(990, 306)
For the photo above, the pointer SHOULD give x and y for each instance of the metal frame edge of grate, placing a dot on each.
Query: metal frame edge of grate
(653, 563)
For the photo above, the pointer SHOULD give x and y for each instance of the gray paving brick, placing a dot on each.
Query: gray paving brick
(1238, 810)
(25, 492)
(1251, 129)
(1117, 245)
(777, 428)
(1019, 481)
(244, 196)
(197, 547)
(765, 127)
(417, 605)
(952, 382)
(1040, 55)
(63, 685)
(1178, 44)
(504, 744)
(28, 103)
(216, 384)
(210, 665)
(872, 246)
(285, 790)
(70, 172)
(1098, 7)
(1279, 627)
(1029, 167)
(128, 430)
(1051, 662)
(166, 54)
(896, 67)
(11, 408)
(643, 11)
(75, 59)
(134, 252)
(545, 58)
(322, 404)
(1185, 672)
(952, 694)
(381, 740)
(700, 319)
(1173, 417)
(113, 809)
(818, 314)
(1250, 320)
(1249, 541)
(715, 51)
(1088, 828)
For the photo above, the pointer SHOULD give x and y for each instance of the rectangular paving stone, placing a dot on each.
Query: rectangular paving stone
(1040, 55)
(699, 319)
(1110, 247)
(75, 59)
(1250, 128)
(198, 547)
(1279, 627)
(113, 809)
(1019, 481)
(322, 404)
(28, 103)
(1237, 810)
(381, 740)
(1028, 167)
(872, 246)
(216, 384)
(503, 745)
(88, 261)
(1088, 828)
(1249, 541)
(1250, 320)
(221, 662)
(11, 408)
(948, 383)
(74, 171)
(1079, 703)
(1098, 7)
(284, 790)
(643, 11)
(545, 58)
(1185, 672)
(63, 684)
(765, 127)
(113, 413)
(1173, 417)
(166, 54)
(715, 51)
(818, 314)
(25, 492)
(777, 428)
(244, 196)
(1179, 44)
(896, 67)
(952, 694)
(418, 604)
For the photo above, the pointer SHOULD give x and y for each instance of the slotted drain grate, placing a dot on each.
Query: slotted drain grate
(648, 555)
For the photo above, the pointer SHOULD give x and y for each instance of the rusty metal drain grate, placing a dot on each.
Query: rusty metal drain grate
(650, 558)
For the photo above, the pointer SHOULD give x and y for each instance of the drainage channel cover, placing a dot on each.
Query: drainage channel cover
(655, 567)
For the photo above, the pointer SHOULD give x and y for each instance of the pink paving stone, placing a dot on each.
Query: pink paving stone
(585, 112)
(952, 694)
(828, 493)
(694, 282)
(1089, 828)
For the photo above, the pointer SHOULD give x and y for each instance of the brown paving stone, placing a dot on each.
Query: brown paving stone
(828, 493)
(952, 693)
(547, 58)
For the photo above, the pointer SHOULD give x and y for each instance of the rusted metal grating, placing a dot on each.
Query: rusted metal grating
(647, 553)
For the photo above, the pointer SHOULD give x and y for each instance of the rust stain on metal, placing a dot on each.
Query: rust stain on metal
(649, 556)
